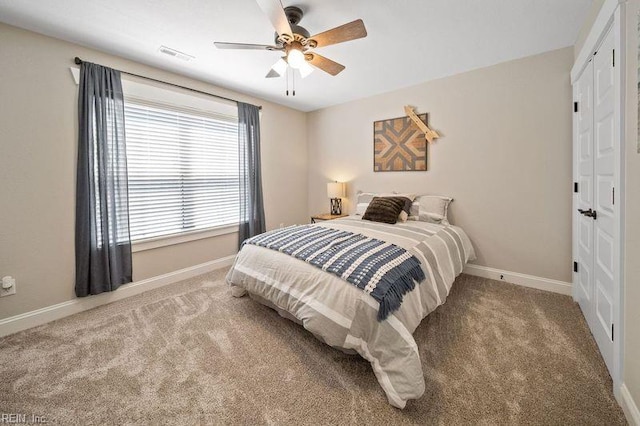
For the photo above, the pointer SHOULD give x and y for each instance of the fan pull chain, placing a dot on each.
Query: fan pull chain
(293, 79)
(287, 77)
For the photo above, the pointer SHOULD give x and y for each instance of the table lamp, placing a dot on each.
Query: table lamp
(335, 191)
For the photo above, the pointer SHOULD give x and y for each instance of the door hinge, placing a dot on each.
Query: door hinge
(612, 332)
(575, 107)
(575, 266)
(613, 196)
(613, 60)
(575, 186)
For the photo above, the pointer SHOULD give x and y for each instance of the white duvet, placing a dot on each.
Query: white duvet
(344, 316)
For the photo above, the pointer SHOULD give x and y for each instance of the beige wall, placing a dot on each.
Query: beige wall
(37, 170)
(595, 7)
(504, 156)
(632, 223)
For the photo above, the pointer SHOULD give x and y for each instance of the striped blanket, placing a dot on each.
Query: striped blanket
(342, 315)
(383, 270)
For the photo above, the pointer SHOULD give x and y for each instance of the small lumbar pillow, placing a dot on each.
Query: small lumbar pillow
(430, 208)
(384, 209)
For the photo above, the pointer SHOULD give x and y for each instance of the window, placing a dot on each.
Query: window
(183, 169)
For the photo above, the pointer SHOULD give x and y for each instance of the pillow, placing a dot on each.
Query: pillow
(384, 209)
(430, 208)
(364, 198)
(404, 214)
(362, 201)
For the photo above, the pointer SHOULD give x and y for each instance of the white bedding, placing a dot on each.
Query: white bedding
(344, 316)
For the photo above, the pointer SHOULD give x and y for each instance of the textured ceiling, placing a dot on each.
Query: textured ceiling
(409, 41)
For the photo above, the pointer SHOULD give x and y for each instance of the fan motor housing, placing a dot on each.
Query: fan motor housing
(294, 14)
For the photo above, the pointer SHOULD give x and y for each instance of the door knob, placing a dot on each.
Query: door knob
(589, 213)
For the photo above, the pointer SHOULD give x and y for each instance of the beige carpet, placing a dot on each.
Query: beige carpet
(190, 353)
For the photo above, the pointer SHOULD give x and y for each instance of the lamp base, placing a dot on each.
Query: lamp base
(336, 206)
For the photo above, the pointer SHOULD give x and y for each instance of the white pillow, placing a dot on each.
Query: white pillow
(430, 208)
(362, 201)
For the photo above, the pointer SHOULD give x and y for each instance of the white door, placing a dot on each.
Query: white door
(583, 169)
(595, 215)
(604, 176)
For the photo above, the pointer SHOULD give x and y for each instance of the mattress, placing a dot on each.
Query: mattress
(344, 316)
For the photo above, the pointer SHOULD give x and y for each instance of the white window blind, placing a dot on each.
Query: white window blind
(183, 169)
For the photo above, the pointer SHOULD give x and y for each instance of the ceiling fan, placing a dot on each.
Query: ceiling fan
(296, 42)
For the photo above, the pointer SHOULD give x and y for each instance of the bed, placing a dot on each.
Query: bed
(345, 317)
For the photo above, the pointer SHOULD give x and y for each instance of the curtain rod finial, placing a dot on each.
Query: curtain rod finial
(77, 60)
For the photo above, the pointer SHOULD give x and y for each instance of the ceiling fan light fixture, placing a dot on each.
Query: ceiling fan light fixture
(280, 67)
(297, 44)
(295, 58)
(305, 69)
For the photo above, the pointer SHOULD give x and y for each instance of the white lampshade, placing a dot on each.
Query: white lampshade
(280, 67)
(335, 189)
(295, 58)
(305, 69)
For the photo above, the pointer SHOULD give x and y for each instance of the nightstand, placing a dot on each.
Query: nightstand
(326, 216)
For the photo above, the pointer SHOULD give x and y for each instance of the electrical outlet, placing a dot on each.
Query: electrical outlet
(8, 286)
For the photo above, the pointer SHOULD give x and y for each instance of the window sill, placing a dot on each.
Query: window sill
(169, 240)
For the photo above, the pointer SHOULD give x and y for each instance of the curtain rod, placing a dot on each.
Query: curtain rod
(79, 61)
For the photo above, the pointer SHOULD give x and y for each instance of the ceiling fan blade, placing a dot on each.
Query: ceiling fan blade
(274, 10)
(351, 31)
(326, 65)
(244, 46)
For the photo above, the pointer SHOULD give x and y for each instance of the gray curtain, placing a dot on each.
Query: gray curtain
(251, 203)
(103, 246)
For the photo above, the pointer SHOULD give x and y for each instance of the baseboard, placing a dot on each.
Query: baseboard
(519, 279)
(51, 313)
(629, 406)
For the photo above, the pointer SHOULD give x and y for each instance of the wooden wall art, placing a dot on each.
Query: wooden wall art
(399, 145)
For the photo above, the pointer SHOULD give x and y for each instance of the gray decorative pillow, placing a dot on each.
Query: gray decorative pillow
(430, 208)
(384, 209)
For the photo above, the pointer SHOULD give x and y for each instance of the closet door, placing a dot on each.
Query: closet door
(595, 150)
(605, 149)
(583, 200)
